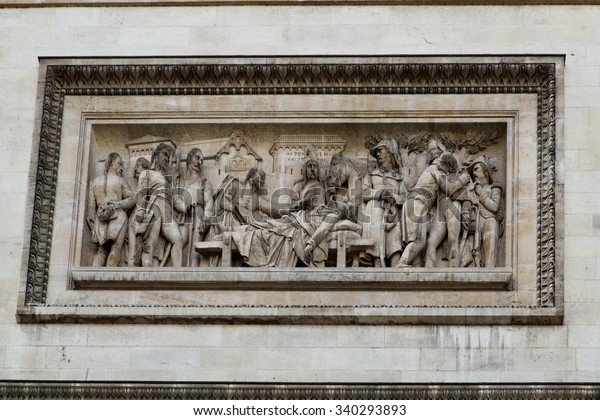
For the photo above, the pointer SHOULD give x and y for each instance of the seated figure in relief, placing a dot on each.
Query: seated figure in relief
(155, 222)
(384, 192)
(440, 176)
(109, 196)
(302, 234)
(236, 203)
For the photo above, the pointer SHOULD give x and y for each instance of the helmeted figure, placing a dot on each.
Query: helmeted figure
(488, 213)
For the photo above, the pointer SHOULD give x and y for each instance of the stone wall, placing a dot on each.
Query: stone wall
(279, 353)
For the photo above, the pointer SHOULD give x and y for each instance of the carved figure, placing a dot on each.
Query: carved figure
(301, 235)
(439, 176)
(197, 194)
(383, 193)
(109, 196)
(134, 249)
(154, 216)
(237, 203)
(448, 217)
(344, 183)
(487, 229)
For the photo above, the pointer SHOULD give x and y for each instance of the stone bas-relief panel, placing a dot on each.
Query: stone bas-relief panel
(330, 195)
(363, 190)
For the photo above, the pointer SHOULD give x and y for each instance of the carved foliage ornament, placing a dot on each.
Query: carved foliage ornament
(300, 79)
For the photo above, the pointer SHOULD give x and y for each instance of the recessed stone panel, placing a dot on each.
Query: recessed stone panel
(432, 198)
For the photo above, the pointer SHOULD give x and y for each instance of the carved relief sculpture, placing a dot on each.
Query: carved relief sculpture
(403, 176)
(450, 214)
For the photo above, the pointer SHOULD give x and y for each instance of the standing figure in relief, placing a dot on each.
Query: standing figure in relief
(134, 254)
(197, 194)
(487, 213)
(416, 212)
(109, 196)
(155, 215)
(449, 212)
(384, 193)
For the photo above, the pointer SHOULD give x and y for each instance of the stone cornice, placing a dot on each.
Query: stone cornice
(262, 391)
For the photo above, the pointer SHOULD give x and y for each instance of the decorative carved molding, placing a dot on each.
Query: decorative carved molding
(295, 76)
(250, 391)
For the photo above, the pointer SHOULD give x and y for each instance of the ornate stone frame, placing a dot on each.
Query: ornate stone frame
(63, 78)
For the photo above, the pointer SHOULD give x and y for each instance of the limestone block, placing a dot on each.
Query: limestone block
(158, 16)
(438, 359)
(230, 358)
(283, 358)
(579, 313)
(249, 16)
(584, 336)
(580, 268)
(78, 16)
(183, 336)
(298, 336)
(584, 247)
(25, 357)
(359, 359)
(55, 335)
(594, 114)
(85, 37)
(571, 161)
(125, 335)
(167, 358)
(361, 336)
(84, 357)
(583, 291)
(30, 374)
(589, 160)
(484, 359)
(588, 359)
(149, 37)
(582, 76)
(360, 16)
(582, 182)
(578, 224)
(244, 336)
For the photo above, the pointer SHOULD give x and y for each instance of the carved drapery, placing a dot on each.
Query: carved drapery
(294, 76)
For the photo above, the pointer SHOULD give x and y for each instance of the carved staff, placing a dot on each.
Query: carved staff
(477, 245)
(191, 235)
(382, 235)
